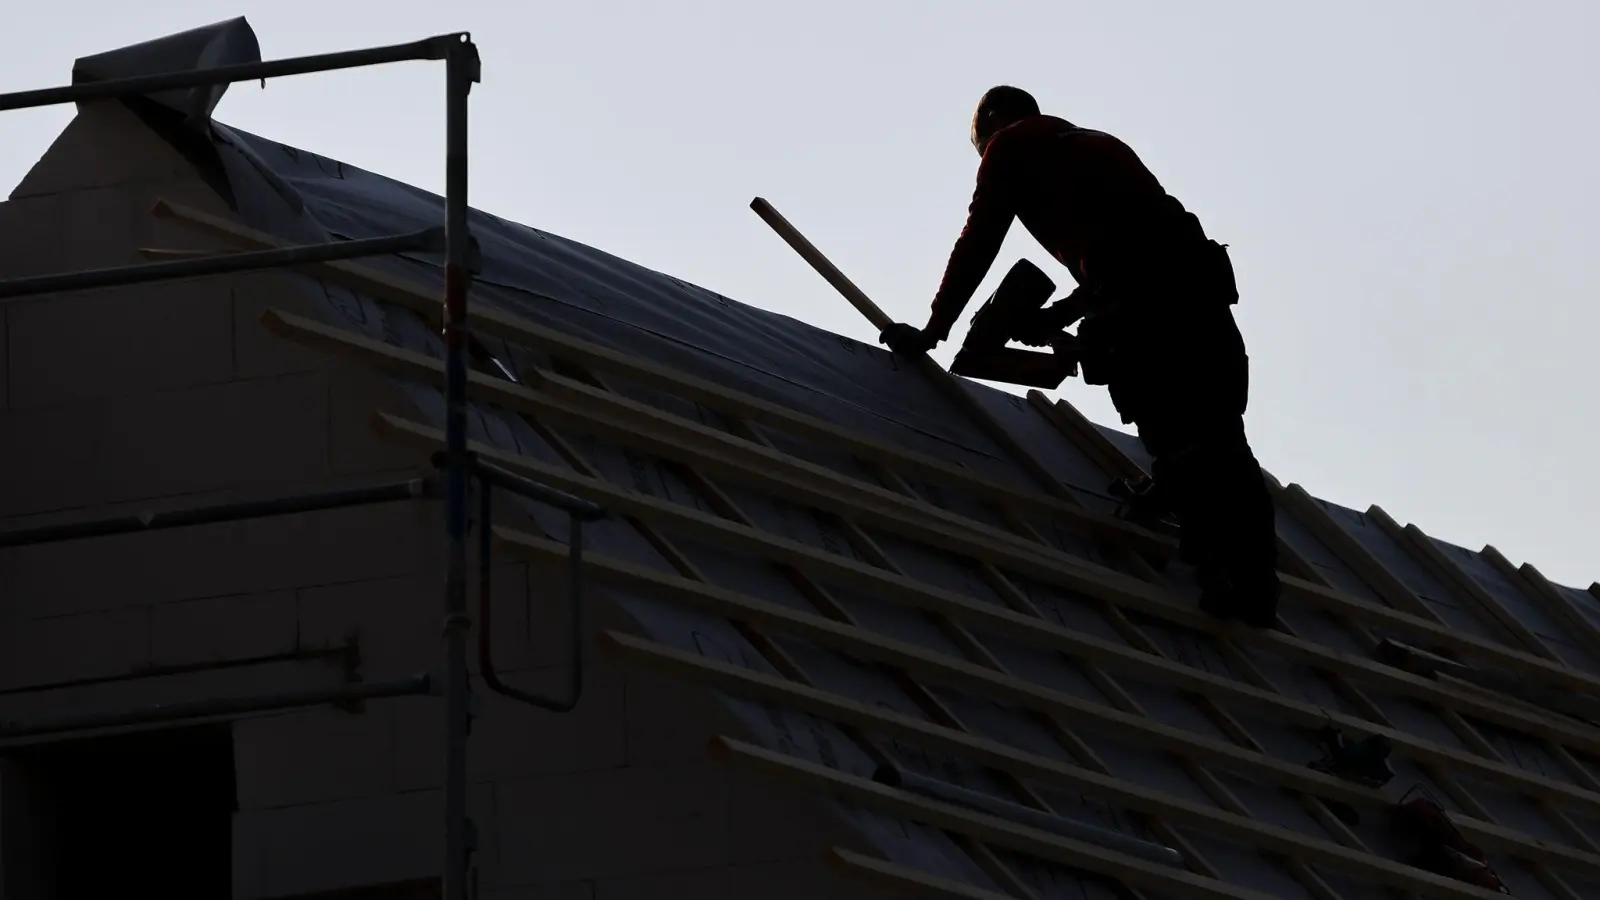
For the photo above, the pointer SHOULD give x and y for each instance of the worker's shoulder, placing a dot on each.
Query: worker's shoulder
(1100, 151)
(1031, 131)
(1055, 135)
(1091, 142)
(1092, 136)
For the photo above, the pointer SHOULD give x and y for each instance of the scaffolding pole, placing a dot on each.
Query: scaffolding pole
(215, 513)
(220, 264)
(222, 706)
(462, 71)
(434, 48)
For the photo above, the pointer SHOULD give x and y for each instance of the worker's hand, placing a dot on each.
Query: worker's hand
(1035, 336)
(1043, 327)
(906, 339)
(1065, 313)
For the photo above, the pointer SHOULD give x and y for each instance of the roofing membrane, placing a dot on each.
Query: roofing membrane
(974, 670)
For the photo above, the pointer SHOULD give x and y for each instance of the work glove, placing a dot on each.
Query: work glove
(906, 339)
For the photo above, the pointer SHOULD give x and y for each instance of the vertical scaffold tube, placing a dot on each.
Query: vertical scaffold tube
(462, 64)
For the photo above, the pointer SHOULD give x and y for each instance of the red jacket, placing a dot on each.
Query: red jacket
(1083, 195)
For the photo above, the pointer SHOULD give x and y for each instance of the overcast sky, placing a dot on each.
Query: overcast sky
(1409, 187)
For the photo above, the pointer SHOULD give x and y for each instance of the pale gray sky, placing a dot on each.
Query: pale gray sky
(1409, 188)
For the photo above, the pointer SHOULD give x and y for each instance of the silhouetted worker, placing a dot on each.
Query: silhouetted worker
(1153, 294)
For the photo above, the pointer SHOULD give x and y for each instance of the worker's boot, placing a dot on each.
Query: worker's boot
(1439, 846)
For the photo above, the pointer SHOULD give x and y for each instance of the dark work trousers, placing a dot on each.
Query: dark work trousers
(1183, 377)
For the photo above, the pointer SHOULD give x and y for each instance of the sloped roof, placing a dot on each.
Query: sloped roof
(864, 574)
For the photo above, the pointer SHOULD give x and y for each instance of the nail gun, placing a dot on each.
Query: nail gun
(1016, 312)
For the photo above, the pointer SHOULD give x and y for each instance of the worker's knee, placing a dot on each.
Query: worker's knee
(1216, 454)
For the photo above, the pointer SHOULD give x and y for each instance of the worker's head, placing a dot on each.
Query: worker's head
(1001, 106)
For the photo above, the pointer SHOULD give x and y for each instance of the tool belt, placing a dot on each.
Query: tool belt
(1121, 306)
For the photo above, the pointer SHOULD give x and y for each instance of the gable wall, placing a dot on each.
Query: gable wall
(170, 395)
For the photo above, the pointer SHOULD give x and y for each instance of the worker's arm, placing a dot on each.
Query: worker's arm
(988, 219)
